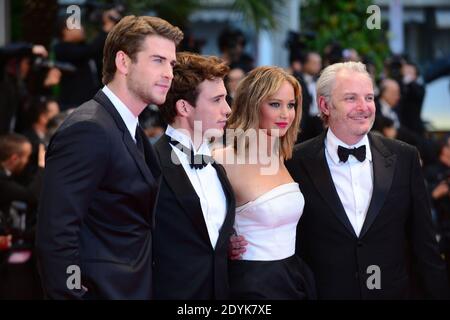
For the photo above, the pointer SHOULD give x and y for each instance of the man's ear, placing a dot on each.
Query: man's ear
(183, 108)
(324, 105)
(122, 62)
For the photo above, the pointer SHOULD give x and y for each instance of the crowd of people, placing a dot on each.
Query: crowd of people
(88, 176)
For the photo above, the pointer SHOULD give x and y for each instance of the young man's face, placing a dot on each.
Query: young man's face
(150, 76)
(352, 106)
(211, 108)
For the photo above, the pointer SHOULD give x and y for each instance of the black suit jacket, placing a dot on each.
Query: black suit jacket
(397, 233)
(186, 265)
(96, 207)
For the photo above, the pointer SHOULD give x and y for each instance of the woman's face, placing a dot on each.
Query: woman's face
(277, 112)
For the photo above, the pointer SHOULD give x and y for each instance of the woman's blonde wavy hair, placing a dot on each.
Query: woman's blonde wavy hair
(260, 84)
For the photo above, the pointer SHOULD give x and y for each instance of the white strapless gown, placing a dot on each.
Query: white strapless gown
(269, 268)
(269, 223)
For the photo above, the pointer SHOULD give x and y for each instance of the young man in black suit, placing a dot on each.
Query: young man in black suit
(196, 206)
(94, 236)
(366, 229)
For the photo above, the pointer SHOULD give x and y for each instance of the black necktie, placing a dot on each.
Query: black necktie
(196, 161)
(139, 141)
(358, 153)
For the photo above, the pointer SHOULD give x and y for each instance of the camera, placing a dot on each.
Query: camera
(40, 63)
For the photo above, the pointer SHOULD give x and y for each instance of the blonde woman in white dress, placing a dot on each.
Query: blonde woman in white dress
(269, 203)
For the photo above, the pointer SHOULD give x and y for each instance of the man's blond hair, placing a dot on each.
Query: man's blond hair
(327, 78)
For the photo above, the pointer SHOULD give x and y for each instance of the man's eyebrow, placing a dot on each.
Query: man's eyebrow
(173, 62)
(158, 56)
(350, 92)
(219, 96)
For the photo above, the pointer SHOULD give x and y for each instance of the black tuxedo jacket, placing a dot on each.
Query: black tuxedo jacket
(96, 208)
(397, 235)
(186, 266)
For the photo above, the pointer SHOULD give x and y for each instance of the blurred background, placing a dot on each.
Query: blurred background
(47, 70)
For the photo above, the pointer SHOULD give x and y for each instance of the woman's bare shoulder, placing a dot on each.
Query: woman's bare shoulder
(223, 155)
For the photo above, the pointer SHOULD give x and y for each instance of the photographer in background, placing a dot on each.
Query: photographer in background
(18, 205)
(109, 19)
(231, 43)
(438, 178)
(80, 85)
(15, 65)
(15, 152)
(412, 92)
(41, 111)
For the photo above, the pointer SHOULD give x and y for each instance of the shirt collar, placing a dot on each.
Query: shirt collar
(187, 141)
(131, 121)
(332, 142)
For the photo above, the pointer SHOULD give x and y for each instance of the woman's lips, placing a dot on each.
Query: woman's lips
(281, 124)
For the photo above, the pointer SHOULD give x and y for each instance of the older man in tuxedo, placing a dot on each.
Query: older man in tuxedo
(366, 229)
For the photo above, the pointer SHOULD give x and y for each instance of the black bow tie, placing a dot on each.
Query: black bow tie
(358, 153)
(196, 161)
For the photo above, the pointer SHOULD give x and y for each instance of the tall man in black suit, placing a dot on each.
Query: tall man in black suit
(366, 228)
(101, 179)
(196, 206)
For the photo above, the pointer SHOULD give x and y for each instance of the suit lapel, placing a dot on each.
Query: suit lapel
(231, 204)
(103, 100)
(383, 173)
(319, 172)
(150, 157)
(181, 186)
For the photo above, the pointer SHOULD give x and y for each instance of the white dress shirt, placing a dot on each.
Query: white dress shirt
(131, 121)
(206, 184)
(353, 179)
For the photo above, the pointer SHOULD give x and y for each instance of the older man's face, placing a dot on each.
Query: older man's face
(352, 107)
